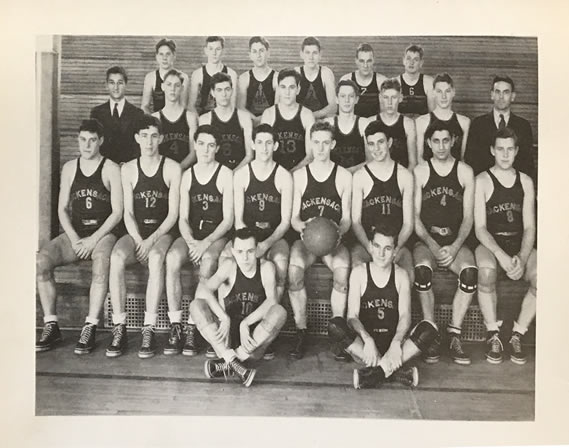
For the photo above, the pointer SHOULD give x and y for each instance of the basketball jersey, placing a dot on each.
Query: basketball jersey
(349, 150)
(312, 94)
(291, 136)
(441, 207)
(260, 94)
(158, 100)
(321, 198)
(368, 103)
(150, 200)
(206, 101)
(232, 142)
(456, 130)
(504, 219)
(379, 310)
(396, 131)
(206, 205)
(414, 100)
(246, 295)
(90, 201)
(384, 202)
(176, 137)
(262, 208)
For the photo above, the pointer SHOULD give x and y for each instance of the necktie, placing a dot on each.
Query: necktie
(502, 123)
(116, 111)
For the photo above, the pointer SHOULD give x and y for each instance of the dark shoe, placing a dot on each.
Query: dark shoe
(517, 354)
(456, 352)
(119, 342)
(433, 354)
(191, 346)
(299, 348)
(174, 346)
(408, 376)
(495, 348)
(246, 375)
(366, 378)
(343, 357)
(86, 342)
(217, 368)
(269, 354)
(148, 346)
(210, 353)
(50, 336)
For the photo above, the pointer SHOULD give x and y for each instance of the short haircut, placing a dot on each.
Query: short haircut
(166, 42)
(443, 77)
(265, 128)
(385, 228)
(310, 41)
(244, 233)
(438, 126)
(364, 47)
(117, 70)
(349, 83)
(505, 133)
(207, 129)
(259, 40)
(174, 72)
(218, 78)
(322, 125)
(414, 48)
(289, 72)
(146, 121)
(390, 83)
(92, 125)
(211, 39)
(503, 78)
(375, 127)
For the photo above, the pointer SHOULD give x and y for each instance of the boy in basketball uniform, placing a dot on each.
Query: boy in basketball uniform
(367, 81)
(444, 202)
(458, 124)
(206, 215)
(376, 333)
(258, 86)
(504, 220)
(178, 124)
(316, 81)
(234, 125)
(246, 316)
(291, 122)
(152, 88)
(201, 99)
(322, 188)
(90, 206)
(416, 88)
(349, 151)
(151, 189)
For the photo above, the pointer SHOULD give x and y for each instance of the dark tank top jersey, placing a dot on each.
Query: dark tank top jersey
(456, 130)
(321, 198)
(291, 136)
(383, 202)
(368, 103)
(312, 94)
(260, 94)
(349, 150)
(396, 131)
(379, 310)
(206, 205)
(206, 101)
(504, 219)
(441, 209)
(414, 100)
(232, 147)
(262, 208)
(90, 201)
(176, 141)
(158, 100)
(150, 200)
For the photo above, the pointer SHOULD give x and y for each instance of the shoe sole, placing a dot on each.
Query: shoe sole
(250, 378)
(113, 354)
(171, 351)
(83, 351)
(356, 380)
(462, 362)
(211, 355)
(206, 370)
(494, 360)
(518, 361)
(432, 360)
(146, 355)
(189, 352)
(52, 346)
(269, 356)
(415, 377)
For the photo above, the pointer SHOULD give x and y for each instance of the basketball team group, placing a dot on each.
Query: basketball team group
(251, 179)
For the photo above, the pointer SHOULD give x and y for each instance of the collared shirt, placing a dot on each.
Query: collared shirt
(497, 117)
(120, 103)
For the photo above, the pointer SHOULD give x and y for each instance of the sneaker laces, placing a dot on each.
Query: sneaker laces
(118, 333)
(223, 367)
(456, 345)
(495, 344)
(238, 368)
(147, 333)
(516, 343)
(175, 333)
(48, 329)
(191, 335)
(86, 333)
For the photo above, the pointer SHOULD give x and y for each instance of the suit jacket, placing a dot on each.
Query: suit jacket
(482, 130)
(119, 144)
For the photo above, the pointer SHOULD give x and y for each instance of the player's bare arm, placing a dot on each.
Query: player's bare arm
(190, 159)
(247, 124)
(185, 96)
(242, 90)
(405, 181)
(283, 182)
(329, 86)
(299, 182)
(411, 133)
(429, 91)
(421, 124)
(466, 179)
(465, 125)
(344, 187)
(358, 185)
(268, 115)
(235, 81)
(129, 176)
(195, 86)
(183, 221)
(240, 184)
(421, 175)
(307, 118)
(528, 216)
(149, 81)
(172, 176)
(67, 175)
(111, 176)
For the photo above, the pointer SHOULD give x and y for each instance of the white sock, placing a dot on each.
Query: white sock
(175, 316)
(91, 320)
(494, 326)
(49, 318)
(518, 328)
(229, 355)
(119, 318)
(242, 355)
(150, 318)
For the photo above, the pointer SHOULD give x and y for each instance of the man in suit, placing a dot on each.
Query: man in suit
(483, 129)
(118, 118)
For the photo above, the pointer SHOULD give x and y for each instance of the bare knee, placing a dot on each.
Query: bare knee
(201, 313)
(44, 267)
(100, 268)
(340, 279)
(275, 318)
(173, 261)
(295, 278)
(487, 279)
(156, 261)
(118, 259)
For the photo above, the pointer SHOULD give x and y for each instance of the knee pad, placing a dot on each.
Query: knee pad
(340, 334)
(341, 276)
(423, 278)
(424, 334)
(468, 279)
(295, 278)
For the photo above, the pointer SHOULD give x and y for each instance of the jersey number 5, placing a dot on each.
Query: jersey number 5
(380, 313)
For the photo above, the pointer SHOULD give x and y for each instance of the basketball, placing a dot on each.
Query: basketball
(320, 236)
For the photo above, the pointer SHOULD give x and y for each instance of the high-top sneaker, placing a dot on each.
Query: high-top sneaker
(50, 336)
(495, 348)
(246, 375)
(191, 346)
(456, 352)
(86, 342)
(210, 353)
(269, 353)
(367, 378)
(299, 348)
(119, 342)
(174, 346)
(517, 353)
(408, 376)
(148, 346)
(217, 368)
(433, 354)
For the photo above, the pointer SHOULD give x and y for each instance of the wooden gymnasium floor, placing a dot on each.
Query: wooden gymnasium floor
(316, 386)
